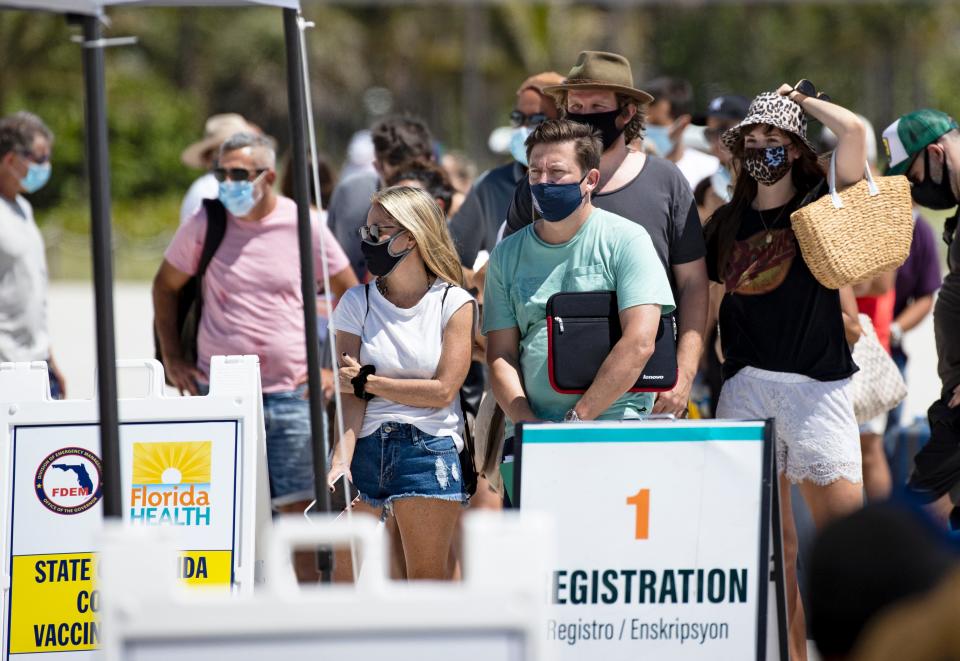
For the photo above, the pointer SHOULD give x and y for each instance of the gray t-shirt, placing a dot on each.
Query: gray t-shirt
(23, 284)
(658, 198)
(946, 322)
(347, 213)
(476, 224)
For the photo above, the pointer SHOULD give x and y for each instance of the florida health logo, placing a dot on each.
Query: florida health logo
(68, 481)
(171, 483)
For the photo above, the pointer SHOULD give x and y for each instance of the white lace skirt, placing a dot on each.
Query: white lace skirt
(818, 439)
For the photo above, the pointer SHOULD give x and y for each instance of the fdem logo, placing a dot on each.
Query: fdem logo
(171, 483)
(69, 481)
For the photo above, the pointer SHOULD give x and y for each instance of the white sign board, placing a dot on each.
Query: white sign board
(663, 536)
(495, 613)
(187, 463)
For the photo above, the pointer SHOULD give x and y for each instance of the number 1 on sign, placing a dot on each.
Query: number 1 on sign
(641, 500)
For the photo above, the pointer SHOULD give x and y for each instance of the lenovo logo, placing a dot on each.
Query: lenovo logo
(651, 377)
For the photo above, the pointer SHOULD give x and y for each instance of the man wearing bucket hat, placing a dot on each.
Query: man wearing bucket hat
(651, 191)
(925, 146)
(201, 155)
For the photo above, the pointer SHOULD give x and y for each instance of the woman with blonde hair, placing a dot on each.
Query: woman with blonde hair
(406, 344)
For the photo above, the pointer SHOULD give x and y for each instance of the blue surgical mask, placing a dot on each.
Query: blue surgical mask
(37, 177)
(557, 201)
(239, 197)
(518, 146)
(720, 183)
(660, 137)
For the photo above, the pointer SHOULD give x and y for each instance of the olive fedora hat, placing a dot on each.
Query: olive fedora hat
(596, 70)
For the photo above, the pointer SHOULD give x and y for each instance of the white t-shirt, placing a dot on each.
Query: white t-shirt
(206, 187)
(403, 343)
(697, 166)
(23, 284)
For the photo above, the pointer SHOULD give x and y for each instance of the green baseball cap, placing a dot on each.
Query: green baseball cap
(909, 135)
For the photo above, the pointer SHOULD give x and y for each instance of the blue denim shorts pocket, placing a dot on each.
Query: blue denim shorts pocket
(436, 445)
(401, 461)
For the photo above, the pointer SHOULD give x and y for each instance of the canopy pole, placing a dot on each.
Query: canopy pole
(101, 241)
(308, 282)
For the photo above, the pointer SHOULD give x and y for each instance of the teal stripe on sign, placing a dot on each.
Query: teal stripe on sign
(640, 435)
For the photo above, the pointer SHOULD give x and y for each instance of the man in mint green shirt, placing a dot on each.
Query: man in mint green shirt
(575, 247)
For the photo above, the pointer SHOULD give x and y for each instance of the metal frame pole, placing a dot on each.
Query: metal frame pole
(98, 163)
(296, 95)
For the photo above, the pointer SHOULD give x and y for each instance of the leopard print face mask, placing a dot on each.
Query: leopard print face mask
(767, 165)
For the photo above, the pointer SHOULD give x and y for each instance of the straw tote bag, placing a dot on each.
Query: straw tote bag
(856, 234)
(878, 386)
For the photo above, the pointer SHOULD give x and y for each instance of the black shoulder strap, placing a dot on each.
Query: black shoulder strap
(216, 229)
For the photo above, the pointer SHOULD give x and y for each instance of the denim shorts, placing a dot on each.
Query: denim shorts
(400, 461)
(286, 417)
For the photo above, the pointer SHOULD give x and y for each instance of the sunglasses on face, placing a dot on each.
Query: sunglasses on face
(518, 119)
(236, 174)
(374, 233)
(33, 158)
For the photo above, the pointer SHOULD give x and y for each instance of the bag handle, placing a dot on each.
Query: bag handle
(834, 195)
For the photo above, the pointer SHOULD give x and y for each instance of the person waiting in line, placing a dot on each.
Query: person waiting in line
(26, 146)
(477, 223)
(397, 140)
(786, 352)
(429, 177)
(925, 146)
(648, 190)
(667, 118)
(252, 305)
(575, 247)
(202, 155)
(406, 344)
(460, 171)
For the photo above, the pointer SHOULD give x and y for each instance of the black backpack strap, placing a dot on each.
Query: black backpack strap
(216, 229)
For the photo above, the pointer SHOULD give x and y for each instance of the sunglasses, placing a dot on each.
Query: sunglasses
(374, 233)
(33, 158)
(237, 174)
(518, 119)
(807, 88)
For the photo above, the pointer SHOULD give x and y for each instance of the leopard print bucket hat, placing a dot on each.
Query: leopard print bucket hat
(775, 110)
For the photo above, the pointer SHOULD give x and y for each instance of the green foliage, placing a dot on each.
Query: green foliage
(455, 65)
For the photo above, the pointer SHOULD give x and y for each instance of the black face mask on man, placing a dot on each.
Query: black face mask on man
(930, 194)
(380, 258)
(605, 122)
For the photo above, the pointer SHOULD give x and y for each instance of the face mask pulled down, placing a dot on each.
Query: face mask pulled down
(381, 261)
(557, 201)
(767, 165)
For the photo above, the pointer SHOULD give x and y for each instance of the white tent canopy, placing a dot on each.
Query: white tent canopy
(95, 7)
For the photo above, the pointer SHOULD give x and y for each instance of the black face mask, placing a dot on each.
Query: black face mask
(930, 194)
(380, 260)
(605, 122)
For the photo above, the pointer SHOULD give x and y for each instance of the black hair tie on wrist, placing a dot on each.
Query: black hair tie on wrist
(360, 382)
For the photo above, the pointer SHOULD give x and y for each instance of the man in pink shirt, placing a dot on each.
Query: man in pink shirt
(252, 304)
